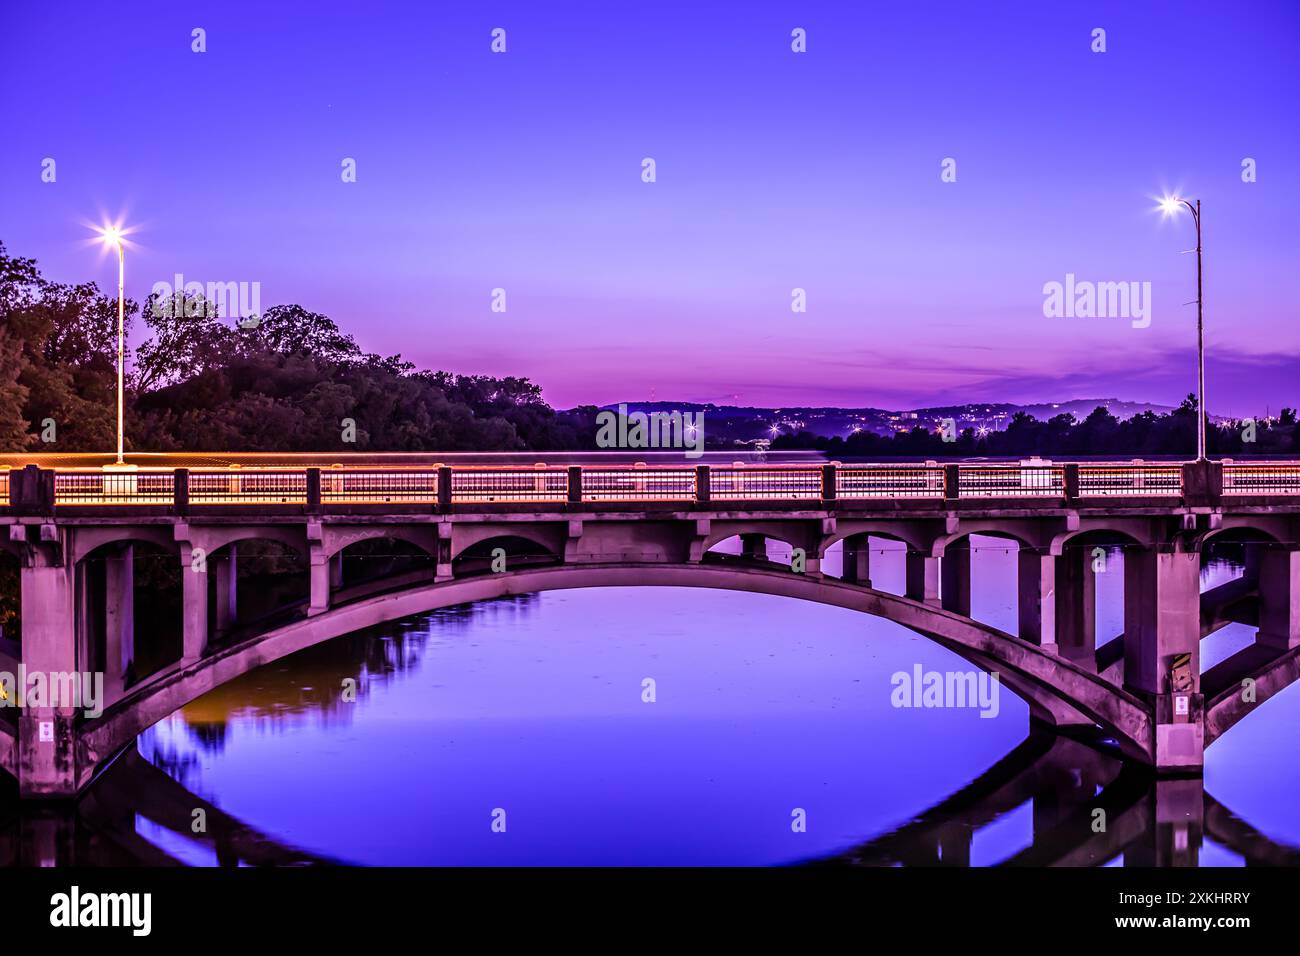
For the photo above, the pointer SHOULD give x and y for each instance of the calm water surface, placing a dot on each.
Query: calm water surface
(531, 711)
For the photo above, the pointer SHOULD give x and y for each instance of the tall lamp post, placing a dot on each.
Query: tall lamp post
(1170, 206)
(112, 236)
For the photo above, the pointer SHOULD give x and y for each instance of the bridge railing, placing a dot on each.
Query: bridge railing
(509, 485)
(638, 484)
(100, 487)
(764, 483)
(1012, 481)
(1130, 481)
(443, 486)
(889, 481)
(1247, 479)
(343, 487)
(240, 487)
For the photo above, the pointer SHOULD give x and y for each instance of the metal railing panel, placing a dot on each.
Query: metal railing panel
(339, 487)
(247, 487)
(638, 484)
(114, 487)
(1243, 479)
(775, 483)
(1130, 481)
(889, 481)
(494, 486)
(1011, 481)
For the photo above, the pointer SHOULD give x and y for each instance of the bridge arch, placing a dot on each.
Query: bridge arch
(774, 532)
(88, 540)
(549, 540)
(911, 538)
(337, 540)
(1056, 689)
(214, 538)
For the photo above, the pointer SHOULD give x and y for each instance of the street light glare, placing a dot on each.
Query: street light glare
(112, 236)
(1170, 205)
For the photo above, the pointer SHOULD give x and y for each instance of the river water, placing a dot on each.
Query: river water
(655, 726)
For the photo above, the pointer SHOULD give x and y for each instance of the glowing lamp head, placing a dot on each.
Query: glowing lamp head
(1171, 205)
(111, 236)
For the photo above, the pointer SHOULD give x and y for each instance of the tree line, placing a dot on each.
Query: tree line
(202, 382)
(1099, 434)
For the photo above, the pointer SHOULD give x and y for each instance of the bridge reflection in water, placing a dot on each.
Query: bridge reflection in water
(1088, 809)
(137, 814)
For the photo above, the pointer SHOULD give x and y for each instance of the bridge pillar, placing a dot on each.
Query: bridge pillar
(47, 761)
(320, 581)
(922, 577)
(119, 619)
(1279, 597)
(753, 547)
(1076, 607)
(857, 559)
(1036, 597)
(226, 571)
(194, 606)
(954, 845)
(954, 568)
(1162, 623)
(336, 570)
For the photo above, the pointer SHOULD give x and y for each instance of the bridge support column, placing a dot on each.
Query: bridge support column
(47, 760)
(753, 547)
(1162, 622)
(227, 576)
(320, 581)
(1076, 607)
(119, 620)
(194, 606)
(954, 568)
(922, 577)
(857, 559)
(1279, 597)
(336, 570)
(1036, 597)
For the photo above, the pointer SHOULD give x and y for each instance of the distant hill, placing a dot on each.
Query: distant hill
(749, 424)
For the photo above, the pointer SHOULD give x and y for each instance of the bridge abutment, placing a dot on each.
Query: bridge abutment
(1036, 597)
(119, 619)
(1076, 607)
(194, 606)
(225, 571)
(47, 734)
(922, 577)
(1278, 569)
(954, 569)
(857, 559)
(1162, 657)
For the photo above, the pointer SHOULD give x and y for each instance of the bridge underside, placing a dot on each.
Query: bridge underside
(1144, 689)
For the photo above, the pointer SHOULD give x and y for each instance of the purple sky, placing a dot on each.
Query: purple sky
(775, 170)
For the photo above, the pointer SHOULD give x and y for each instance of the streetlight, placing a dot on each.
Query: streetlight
(113, 236)
(1171, 205)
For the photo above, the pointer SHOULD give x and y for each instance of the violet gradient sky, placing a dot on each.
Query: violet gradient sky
(775, 170)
